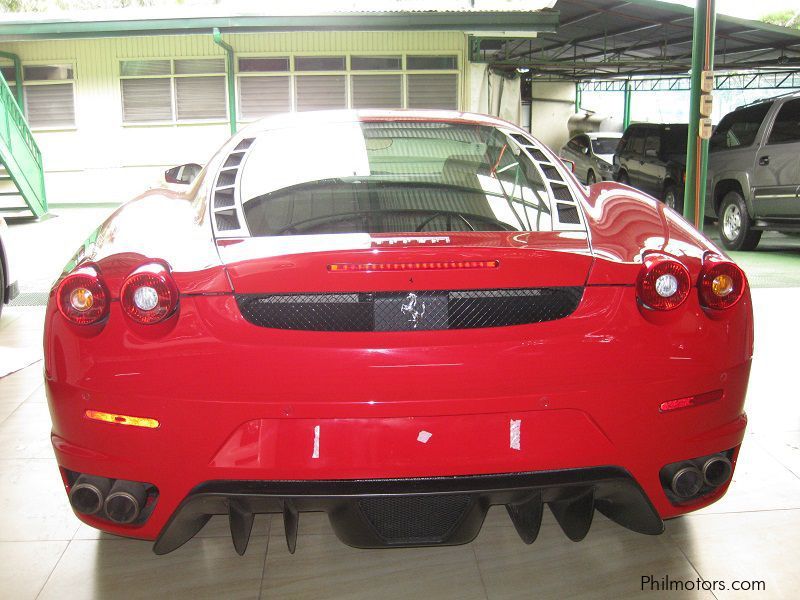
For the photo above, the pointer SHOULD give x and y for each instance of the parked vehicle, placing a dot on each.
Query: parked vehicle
(592, 154)
(652, 158)
(398, 318)
(8, 283)
(754, 172)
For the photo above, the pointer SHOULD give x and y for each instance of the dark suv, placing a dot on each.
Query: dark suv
(652, 157)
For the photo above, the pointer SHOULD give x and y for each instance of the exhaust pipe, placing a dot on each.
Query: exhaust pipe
(717, 470)
(125, 501)
(88, 494)
(687, 481)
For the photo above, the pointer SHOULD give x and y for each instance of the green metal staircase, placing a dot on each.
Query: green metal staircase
(21, 170)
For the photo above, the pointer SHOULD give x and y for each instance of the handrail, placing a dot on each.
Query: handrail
(19, 152)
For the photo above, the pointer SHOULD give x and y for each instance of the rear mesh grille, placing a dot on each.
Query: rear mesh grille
(409, 311)
(414, 519)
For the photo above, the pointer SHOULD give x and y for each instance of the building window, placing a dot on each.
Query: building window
(271, 85)
(173, 90)
(49, 94)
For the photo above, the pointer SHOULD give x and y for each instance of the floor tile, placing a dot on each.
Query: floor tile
(785, 447)
(33, 505)
(753, 546)
(26, 433)
(18, 386)
(25, 567)
(116, 568)
(323, 567)
(609, 563)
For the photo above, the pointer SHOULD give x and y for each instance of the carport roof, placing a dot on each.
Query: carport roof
(606, 38)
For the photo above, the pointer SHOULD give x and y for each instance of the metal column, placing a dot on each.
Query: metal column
(230, 76)
(697, 148)
(626, 115)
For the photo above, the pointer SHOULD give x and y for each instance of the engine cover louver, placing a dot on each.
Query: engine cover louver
(409, 311)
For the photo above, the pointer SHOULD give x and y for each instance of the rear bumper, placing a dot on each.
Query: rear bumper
(238, 402)
(419, 512)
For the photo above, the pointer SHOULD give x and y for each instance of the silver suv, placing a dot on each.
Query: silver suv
(754, 171)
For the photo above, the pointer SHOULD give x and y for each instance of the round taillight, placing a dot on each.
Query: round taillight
(82, 298)
(149, 295)
(721, 283)
(663, 283)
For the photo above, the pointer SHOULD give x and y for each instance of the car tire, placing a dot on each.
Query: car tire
(623, 178)
(591, 179)
(2, 287)
(735, 225)
(673, 197)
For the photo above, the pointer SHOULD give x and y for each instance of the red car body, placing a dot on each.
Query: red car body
(572, 412)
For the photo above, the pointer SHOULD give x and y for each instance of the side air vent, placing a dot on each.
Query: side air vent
(567, 215)
(227, 213)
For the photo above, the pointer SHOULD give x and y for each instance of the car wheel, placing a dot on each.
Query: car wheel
(735, 224)
(623, 178)
(2, 288)
(590, 178)
(673, 198)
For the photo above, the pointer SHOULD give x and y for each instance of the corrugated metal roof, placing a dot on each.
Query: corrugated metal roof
(480, 15)
(601, 38)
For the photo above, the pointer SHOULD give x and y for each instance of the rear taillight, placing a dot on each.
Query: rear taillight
(149, 295)
(663, 283)
(721, 283)
(82, 298)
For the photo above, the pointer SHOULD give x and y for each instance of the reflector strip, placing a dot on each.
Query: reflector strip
(415, 266)
(145, 422)
(690, 401)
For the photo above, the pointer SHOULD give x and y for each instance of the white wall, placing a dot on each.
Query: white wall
(553, 103)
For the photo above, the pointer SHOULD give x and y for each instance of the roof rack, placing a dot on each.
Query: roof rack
(771, 98)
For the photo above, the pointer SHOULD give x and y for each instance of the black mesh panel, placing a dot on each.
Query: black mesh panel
(409, 311)
(408, 519)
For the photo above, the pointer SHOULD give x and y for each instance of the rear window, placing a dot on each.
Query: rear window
(605, 145)
(391, 176)
(739, 128)
(674, 139)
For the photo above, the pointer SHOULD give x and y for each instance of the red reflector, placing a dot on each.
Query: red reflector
(691, 401)
(415, 266)
(146, 422)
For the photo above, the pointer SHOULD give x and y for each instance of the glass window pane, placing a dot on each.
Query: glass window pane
(738, 129)
(431, 63)
(145, 100)
(375, 63)
(144, 67)
(199, 66)
(47, 72)
(433, 91)
(320, 92)
(9, 74)
(262, 96)
(319, 63)
(787, 124)
(50, 105)
(263, 65)
(200, 98)
(377, 91)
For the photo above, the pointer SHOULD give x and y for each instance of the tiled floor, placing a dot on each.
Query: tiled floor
(751, 534)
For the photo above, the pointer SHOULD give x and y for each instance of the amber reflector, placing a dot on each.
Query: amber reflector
(146, 422)
(415, 266)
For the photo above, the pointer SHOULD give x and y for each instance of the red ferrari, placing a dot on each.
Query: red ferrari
(400, 319)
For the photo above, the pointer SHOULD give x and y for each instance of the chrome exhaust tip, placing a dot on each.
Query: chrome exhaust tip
(88, 494)
(125, 501)
(687, 481)
(717, 470)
